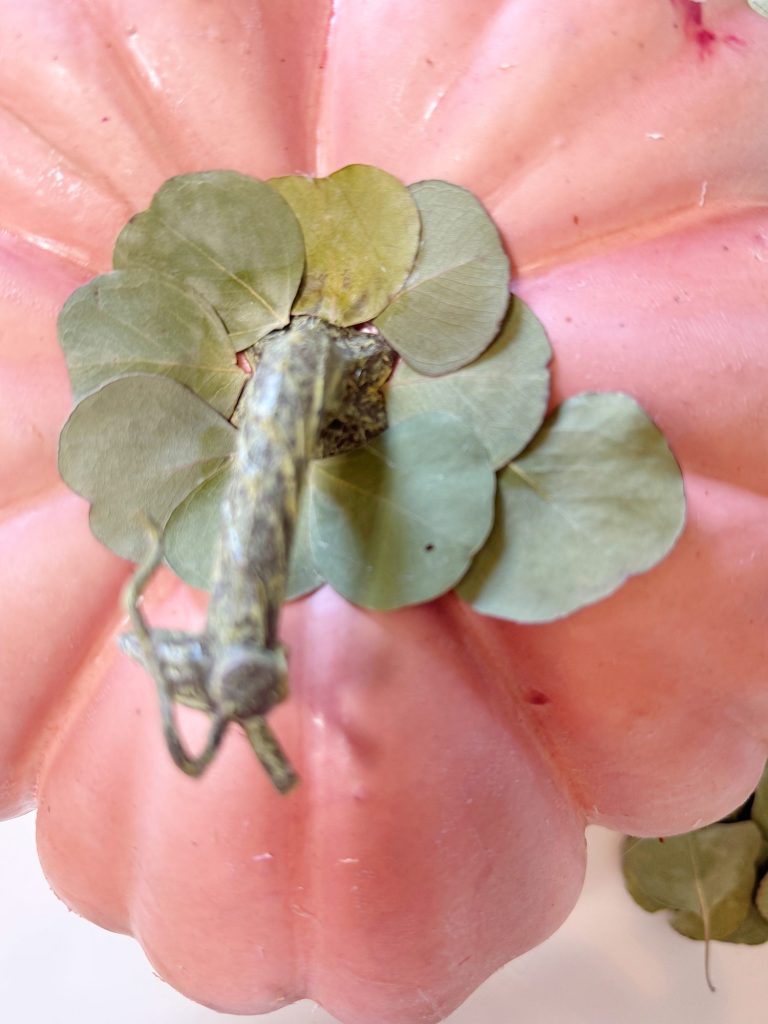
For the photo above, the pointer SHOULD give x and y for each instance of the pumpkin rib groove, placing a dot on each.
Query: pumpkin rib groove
(473, 624)
(684, 218)
(141, 89)
(57, 149)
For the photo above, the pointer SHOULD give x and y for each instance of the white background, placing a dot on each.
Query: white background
(610, 963)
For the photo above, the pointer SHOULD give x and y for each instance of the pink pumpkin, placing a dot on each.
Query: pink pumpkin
(450, 762)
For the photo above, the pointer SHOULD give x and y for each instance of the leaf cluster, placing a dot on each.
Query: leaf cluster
(471, 486)
(713, 881)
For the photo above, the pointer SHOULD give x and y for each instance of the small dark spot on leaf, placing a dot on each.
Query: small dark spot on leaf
(537, 697)
(429, 547)
(661, 839)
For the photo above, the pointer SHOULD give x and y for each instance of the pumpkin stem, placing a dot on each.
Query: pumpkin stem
(315, 391)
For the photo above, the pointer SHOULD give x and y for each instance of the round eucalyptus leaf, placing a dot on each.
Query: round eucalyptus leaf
(361, 231)
(596, 498)
(135, 449)
(231, 238)
(759, 7)
(761, 898)
(503, 395)
(705, 877)
(759, 810)
(138, 321)
(450, 308)
(303, 577)
(191, 536)
(753, 930)
(398, 521)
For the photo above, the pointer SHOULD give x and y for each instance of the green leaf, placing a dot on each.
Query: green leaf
(231, 238)
(135, 449)
(705, 877)
(303, 577)
(451, 306)
(397, 522)
(759, 7)
(753, 930)
(137, 321)
(596, 498)
(761, 898)
(502, 396)
(192, 533)
(759, 812)
(361, 230)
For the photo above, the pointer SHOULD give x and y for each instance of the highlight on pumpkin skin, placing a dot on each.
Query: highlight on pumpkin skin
(324, 466)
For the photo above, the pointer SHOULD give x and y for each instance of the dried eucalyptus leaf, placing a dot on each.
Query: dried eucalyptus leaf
(761, 897)
(595, 498)
(303, 577)
(759, 7)
(228, 236)
(135, 449)
(452, 304)
(138, 321)
(759, 811)
(503, 395)
(398, 521)
(192, 533)
(753, 930)
(361, 230)
(705, 877)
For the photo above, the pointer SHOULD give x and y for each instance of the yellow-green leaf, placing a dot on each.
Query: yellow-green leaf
(361, 231)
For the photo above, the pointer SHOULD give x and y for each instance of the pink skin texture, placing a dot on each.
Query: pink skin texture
(449, 762)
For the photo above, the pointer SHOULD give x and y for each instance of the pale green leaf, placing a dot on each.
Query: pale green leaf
(596, 498)
(705, 877)
(361, 230)
(452, 304)
(303, 577)
(398, 521)
(138, 321)
(228, 236)
(759, 810)
(503, 395)
(135, 449)
(753, 930)
(191, 536)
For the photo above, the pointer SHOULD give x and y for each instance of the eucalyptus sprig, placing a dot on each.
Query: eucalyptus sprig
(468, 486)
(713, 881)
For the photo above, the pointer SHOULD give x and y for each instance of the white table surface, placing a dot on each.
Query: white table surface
(610, 963)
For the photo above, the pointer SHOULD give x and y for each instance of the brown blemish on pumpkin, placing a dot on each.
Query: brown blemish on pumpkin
(537, 697)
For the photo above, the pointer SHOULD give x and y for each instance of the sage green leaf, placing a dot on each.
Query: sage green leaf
(759, 7)
(138, 321)
(595, 498)
(303, 577)
(361, 231)
(503, 395)
(705, 877)
(761, 898)
(759, 812)
(228, 236)
(192, 533)
(398, 521)
(753, 930)
(135, 449)
(450, 308)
